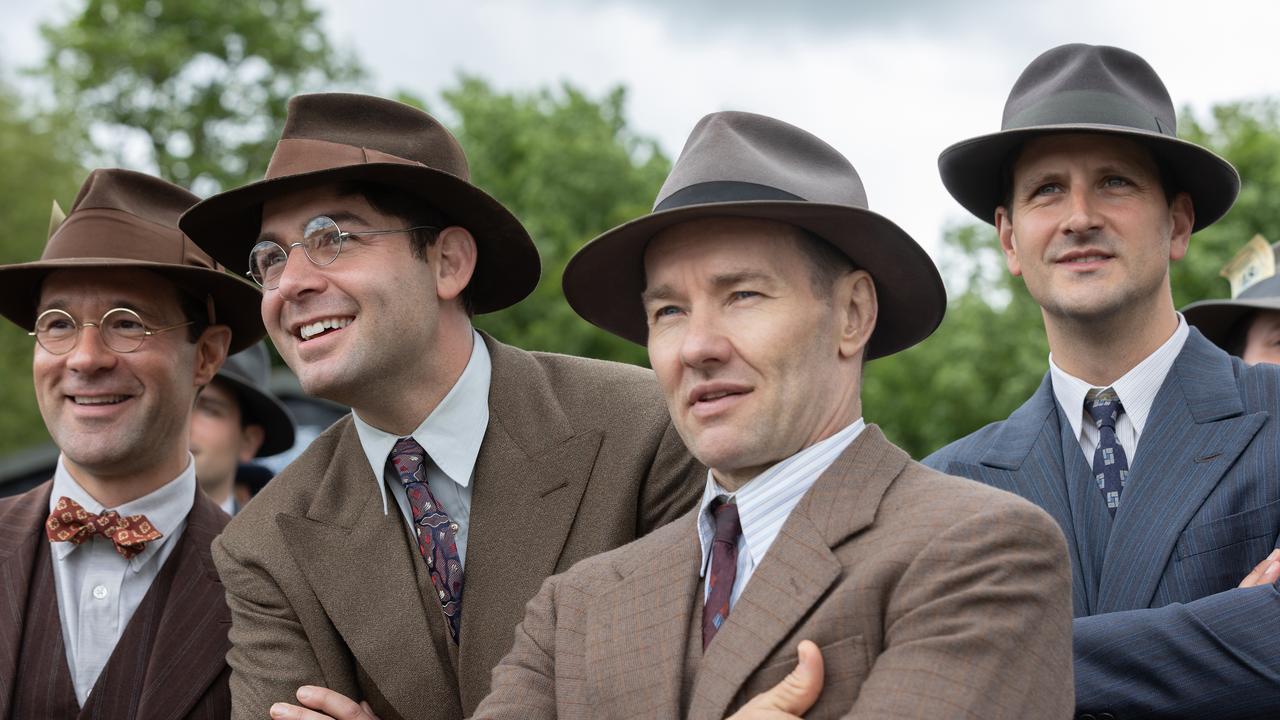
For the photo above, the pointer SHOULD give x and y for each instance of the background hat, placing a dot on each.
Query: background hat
(1255, 285)
(744, 165)
(1088, 88)
(335, 137)
(125, 219)
(248, 373)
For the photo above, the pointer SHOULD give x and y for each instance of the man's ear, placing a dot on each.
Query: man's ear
(251, 439)
(454, 252)
(211, 352)
(1182, 217)
(1004, 228)
(856, 308)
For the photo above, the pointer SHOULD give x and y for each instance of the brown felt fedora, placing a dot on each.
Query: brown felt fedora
(125, 219)
(1088, 89)
(337, 137)
(739, 164)
(1217, 319)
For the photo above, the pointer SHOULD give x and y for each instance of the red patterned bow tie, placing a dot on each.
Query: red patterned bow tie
(69, 522)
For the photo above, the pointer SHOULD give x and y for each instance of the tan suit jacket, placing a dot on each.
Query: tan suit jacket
(930, 597)
(579, 457)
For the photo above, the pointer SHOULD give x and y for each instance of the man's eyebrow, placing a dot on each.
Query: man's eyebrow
(740, 276)
(338, 216)
(654, 294)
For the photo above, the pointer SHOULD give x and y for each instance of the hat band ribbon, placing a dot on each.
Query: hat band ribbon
(1089, 107)
(296, 156)
(721, 191)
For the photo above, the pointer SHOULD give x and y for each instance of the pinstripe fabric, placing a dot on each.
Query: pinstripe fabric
(42, 685)
(1160, 625)
(170, 662)
(921, 590)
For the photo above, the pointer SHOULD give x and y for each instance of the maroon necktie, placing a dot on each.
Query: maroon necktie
(724, 566)
(433, 528)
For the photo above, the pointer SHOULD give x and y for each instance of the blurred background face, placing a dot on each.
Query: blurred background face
(218, 440)
(1262, 342)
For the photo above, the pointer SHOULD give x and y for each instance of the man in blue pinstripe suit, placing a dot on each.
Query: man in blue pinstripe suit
(1155, 451)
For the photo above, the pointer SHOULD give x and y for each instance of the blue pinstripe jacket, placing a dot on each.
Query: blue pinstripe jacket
(1161, 629)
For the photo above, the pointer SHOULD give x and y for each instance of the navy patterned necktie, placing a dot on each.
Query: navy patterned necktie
(724, 566)
(1110, 466)
(435, 531)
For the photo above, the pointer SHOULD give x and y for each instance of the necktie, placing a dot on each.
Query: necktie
(433, 528)
(1110, 466)
(70, 522)
(724, 566)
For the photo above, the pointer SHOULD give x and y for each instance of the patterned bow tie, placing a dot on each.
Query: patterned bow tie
(69, 522)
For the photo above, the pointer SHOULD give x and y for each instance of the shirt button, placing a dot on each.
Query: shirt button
(100, 592)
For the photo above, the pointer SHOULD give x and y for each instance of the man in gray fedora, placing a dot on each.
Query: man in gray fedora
(1247, 324)
(1156, 452)
(392, 559)
(236, 419)
(760, 283)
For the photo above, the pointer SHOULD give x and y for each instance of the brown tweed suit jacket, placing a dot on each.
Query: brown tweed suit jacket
(170, 663)
(931, 597)
(579, 457)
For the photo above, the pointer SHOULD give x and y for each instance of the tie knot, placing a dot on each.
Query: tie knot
(1104, 406)
(407, 458)
(725, 515)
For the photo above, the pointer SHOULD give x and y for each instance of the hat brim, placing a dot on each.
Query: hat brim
(237, 302)
(972, 170)
(1215, 319)
(227, 225)
(259, 408)
(603, 282)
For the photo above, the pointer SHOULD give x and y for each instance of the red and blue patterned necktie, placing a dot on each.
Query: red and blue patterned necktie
(724, 566)
(1110, 465)
(435, 531)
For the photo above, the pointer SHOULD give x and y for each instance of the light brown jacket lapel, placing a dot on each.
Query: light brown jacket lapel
(21, 528)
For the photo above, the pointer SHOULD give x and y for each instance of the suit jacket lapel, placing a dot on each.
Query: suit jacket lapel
(798, 569)
(530, 477)
(637, 630)
(1196, 430)
(361, 565)
(21, 530)
(191, 641)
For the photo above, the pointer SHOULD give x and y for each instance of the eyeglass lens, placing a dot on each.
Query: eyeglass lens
(121, 330)
(321, 241)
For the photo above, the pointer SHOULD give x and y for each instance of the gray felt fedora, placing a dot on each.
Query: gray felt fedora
(1088, 89)
(1217, 319)
(248, 373)
(739, 164)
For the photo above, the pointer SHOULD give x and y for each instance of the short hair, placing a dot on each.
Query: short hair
(414, 211)
(1165, 174)
(827, 263)
(196, 311)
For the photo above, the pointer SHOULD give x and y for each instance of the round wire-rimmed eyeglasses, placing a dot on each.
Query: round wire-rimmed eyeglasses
(321, 243)
(121, 330)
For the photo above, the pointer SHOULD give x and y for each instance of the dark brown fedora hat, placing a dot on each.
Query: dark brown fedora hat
(740, 164)
(336, 137)
(1088, 89)
(125, 219)
(1217, 319)
(248, 373)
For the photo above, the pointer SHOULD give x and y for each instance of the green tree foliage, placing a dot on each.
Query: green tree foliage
(204, 82)
(41, 155)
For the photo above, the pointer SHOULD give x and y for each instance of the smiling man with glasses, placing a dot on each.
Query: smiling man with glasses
(391, 561)
(106, 567)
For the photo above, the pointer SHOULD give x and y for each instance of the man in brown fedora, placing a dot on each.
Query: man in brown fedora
(1156, 452)
(1248, 324)
(760, 284)
(392, 559)
(237, 419)
(111, 607)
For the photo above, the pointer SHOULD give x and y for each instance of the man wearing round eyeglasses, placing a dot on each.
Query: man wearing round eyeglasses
(106, 567)
(392, 560)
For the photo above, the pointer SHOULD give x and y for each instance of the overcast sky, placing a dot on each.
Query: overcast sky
(890, 84)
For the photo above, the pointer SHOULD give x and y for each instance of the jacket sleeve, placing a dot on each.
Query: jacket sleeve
(524, 683)
(1213, 657)
(672, 485)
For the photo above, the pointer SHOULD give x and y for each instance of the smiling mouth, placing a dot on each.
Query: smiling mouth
(1087, 259)
(99, 399)
(322, 327)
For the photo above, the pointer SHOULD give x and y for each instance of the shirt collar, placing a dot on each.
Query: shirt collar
(166, 507)
(1136, 389)
(451, 434)
(765, 500)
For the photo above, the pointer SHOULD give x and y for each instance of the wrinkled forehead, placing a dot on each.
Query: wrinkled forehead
(94, 291)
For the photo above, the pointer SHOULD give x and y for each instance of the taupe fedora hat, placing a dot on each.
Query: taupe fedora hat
(125, 219)
(335, 137)
(1259, 290)
(248, 373)
(1088, 89)
(740, 164)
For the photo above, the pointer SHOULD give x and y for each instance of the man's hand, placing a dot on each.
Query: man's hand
(791, 698)
(324, 704)
(1265, 573)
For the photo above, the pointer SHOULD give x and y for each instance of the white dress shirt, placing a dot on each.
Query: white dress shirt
(451, 435)
(765, 501)
(1136, 389)
(98, 590)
